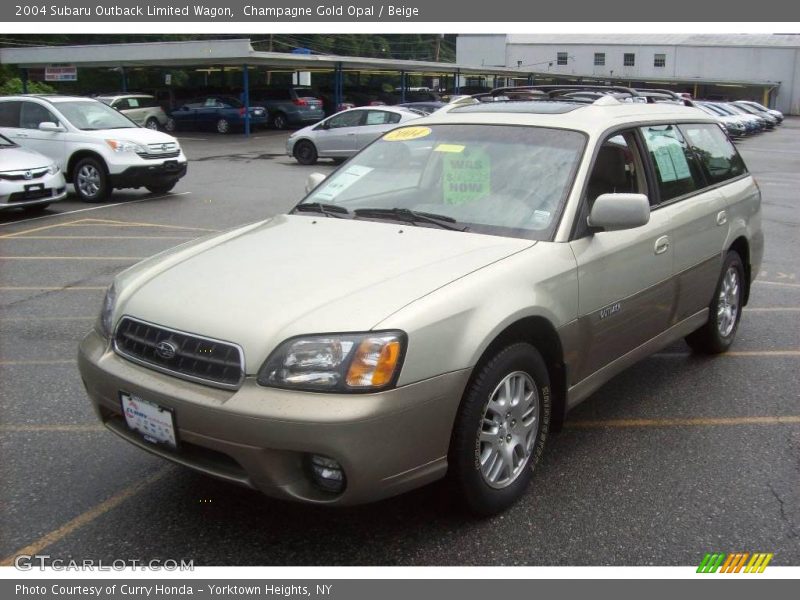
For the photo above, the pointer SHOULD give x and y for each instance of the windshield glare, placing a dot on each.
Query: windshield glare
(94, 115)
(500, 180)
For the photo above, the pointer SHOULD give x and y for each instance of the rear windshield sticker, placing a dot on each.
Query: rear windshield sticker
(454, 148)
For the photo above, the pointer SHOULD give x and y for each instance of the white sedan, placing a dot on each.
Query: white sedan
(341, 135)
(28, 180)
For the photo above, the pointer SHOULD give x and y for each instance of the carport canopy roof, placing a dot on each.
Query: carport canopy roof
(238, 52)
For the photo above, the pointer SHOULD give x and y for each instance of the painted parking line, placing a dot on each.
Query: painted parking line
(70, 288)
(778, 283)
(96, 237)
(53, 428)
(86, 518)
(733, 354)
(64, 361)
(28, 319)
(81, 210)
(72, 257)
(693, 422)
(88, 222)
(772, 309)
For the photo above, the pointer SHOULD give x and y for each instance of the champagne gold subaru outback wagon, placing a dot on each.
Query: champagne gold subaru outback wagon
(436, 305)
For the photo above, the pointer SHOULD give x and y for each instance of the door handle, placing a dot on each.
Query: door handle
(351, 134)
(722, 217)
(662, 244)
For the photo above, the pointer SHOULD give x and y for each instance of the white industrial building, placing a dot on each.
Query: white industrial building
(765, 68)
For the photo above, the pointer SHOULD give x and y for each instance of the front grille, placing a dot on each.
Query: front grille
(20, 175)
(184, 355)
(156, 151)
(156, 156)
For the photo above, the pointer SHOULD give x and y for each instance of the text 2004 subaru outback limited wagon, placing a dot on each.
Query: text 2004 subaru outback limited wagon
(436, 305)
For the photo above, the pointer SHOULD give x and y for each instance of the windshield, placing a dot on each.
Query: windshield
(5, 142)
(90, 116)
(499, 180)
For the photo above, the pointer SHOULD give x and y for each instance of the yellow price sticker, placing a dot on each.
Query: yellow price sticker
(454, 148)
(407, 133)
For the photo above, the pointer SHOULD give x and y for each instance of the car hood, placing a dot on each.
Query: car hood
(17, 159)
(139, 135)
(292, 275)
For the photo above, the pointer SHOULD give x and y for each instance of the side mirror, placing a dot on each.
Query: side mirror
(51, 127)
(314, 180)
(613, 212)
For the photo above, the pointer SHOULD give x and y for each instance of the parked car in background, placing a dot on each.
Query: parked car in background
(425, 108)
(142, 109)
(733, 126)
(345, 133)
(97, 148)
(288, 106)
(772, 120)
(764, 122)
(222, 114)
(28, 180)
(750, 123)
(771, 111)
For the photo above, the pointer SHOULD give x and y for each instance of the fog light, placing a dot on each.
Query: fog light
(327, 474)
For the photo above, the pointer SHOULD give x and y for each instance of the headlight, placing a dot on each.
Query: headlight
(53, 169)
(124, 146)
(105, 322)
(352, 362)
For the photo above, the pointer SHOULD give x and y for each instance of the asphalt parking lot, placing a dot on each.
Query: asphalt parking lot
(679, 456)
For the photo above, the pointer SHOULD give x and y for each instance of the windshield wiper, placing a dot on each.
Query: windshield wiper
(329, 210)
(410, 216)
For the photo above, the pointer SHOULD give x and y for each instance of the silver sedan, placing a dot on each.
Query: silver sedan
(28, 180)
(341, 135)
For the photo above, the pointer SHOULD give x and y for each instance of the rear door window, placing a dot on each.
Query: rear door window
(677, 170)
(717, 155)
(9, 113)
(32, 114)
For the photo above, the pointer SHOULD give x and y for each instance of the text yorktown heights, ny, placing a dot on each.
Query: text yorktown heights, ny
(144, 11)
(155, 590)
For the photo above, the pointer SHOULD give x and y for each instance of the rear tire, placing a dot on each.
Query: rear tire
(279, 121)
(223, 126)
(724, 312)
(305, 152)
(91, 180)
(500, 430)
(170, 126)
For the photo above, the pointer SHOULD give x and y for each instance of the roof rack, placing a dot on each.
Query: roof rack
(553, 91)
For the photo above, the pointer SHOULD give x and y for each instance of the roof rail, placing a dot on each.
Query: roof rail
(660, 93)
(558, 90)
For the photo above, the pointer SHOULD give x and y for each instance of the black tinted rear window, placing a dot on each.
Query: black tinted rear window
(9, 113)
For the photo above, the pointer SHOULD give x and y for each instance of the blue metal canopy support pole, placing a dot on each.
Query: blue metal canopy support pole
(338, 87)
(124, 76)
(403, 84)
(246, 98)
(24, 80)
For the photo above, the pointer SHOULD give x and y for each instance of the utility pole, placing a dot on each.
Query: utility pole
(269, 48)
(438, 48)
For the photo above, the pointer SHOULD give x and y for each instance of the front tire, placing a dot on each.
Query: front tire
(500, 430)
(724, 312)
(170, 126)
(152, 123)
(91, 180)
(279, 121)
(305, 152)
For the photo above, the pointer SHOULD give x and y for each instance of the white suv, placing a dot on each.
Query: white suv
(97, 148)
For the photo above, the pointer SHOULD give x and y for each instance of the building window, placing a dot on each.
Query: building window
(599, 59)
(561, 58)
(659, 60)
(628, 59)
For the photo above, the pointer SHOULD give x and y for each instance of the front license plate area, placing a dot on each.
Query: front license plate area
(156, 424)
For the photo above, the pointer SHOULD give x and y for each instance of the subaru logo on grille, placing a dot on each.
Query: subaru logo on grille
(28, 175)
(166, 350)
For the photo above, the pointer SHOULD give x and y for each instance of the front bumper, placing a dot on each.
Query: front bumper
(162, 173)
(387, 443)
(13, 194)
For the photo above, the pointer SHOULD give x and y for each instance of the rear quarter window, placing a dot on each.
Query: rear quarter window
(717, 155)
